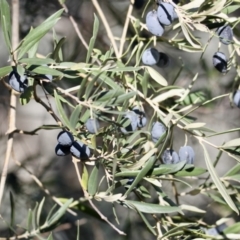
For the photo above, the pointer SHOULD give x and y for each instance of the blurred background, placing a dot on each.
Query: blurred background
(36, 153)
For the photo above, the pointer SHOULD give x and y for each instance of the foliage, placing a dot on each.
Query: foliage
(107, 85)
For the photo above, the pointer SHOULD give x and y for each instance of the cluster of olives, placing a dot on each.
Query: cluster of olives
(165, 14)
(155, 22)
(169, 156)
(225, 34)
(67, 145)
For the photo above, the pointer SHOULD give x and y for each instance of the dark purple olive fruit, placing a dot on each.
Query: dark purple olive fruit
(166, 13)
(158, 129)
(225, 34)
(65, 138)
(236, 98)
(92, 125)
(163, 60)
(62, 150)
(153, 24)
(142, 120)
(138, 4)
(17, 82)
(187, 153)
(169, 156)
(150, 56)
(220, 62)
(80, 150)
(132, 117)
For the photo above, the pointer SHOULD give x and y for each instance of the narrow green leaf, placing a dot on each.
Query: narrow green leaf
(233, 171)
(93, 180)
(143, 159)
(5, 70)
(85, 177)
(6, 22)
(29, 220)
(234, 228)
(232, 8)
(36, 61)
(26, 96)
(123, 69)
(34, 212)
(50, 213)
(152, 208)
(74, 118)
(39, 211)
(171, 93)
(150, 228)
(217, 181)
(57, 53)
(33, 50)
(195, 171)
(93, 39)
(194, 98)
(45, 70)
(145, 79)
(232, 143)
(168, 168)
(50, 237)
(170, 233)
(60, 212)
(107, 80)
(156, 76)
(61, 111)
(142, 173)
(194, 125)
(20, 70)
(36, 34)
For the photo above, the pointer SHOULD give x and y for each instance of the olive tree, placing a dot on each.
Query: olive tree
(119, 118)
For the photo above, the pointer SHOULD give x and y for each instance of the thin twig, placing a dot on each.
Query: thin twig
(13, 98)
(106, 25)
(49, 110)
(75, 162)
(125, 28)
(75, 25)
(40, 184)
